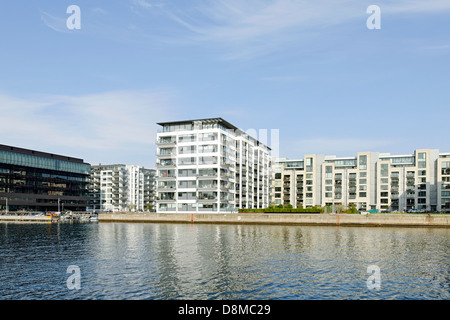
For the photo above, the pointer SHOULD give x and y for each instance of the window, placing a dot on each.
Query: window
(209, 172)
(384, 170)
(422, 163)
(277, 175)
(363, 162)
(309, 164)
(362, 188)
(328, 172)
(187, 161)
(362, 181)
(329, 181)
(187, 184)
(187, 138)
(363, 174)
(363, 194)
(211, 148)
(186, 150)
(208, 136)
(207, 160)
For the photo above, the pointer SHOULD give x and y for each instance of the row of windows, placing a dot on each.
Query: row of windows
(27, 160)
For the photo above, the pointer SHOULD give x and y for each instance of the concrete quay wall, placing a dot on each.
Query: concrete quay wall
(25, 218)
(405, 220)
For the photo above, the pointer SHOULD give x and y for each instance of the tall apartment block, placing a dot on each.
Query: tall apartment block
(209, 165)
(369, 181)
(120, 187)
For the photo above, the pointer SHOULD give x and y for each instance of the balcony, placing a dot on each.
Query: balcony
(166, 163)
(166, 141)
(166, 153)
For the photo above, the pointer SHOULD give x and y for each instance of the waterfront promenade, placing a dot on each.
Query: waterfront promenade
(369, 220)
(405, 220)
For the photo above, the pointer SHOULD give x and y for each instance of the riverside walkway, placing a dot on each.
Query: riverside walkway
(404, 220)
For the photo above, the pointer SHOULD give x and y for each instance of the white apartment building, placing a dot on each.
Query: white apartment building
(443, 181)
(209, 165)
(120, 187)
(369, 181)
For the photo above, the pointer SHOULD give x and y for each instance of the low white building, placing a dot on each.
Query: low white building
(368, 181)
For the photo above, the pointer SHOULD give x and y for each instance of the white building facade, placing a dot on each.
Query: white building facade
(120, 187)
(209, 165)
(367, 181)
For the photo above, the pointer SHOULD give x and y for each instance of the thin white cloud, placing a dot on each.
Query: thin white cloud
(415, 6)
(257, 27)
(55, 23)
(146, 4)
(110, 122)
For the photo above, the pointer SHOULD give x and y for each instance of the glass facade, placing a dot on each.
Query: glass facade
(36, 181)
(32, 161)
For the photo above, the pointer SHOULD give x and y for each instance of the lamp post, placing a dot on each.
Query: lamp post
(6, 198)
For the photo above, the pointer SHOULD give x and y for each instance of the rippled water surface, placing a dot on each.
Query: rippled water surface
(182, 261)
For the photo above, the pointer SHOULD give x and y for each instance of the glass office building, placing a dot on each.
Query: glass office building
(38, 181)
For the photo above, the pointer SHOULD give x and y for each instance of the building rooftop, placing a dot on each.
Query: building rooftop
(218, 120)
(39, 154)
(225, 123)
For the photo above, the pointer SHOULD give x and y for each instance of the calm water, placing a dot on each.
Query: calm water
(177, 261)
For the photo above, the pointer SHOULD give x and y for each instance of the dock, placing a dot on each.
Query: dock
(50, 218)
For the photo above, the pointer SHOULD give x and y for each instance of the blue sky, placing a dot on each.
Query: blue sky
(311, 69)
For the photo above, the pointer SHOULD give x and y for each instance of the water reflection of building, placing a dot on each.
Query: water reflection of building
(35, 180)
(368, 181)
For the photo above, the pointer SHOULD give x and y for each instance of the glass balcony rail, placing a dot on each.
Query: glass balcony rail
(165, 163)
(166, 140)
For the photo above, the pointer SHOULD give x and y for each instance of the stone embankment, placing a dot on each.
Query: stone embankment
(403, 220)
